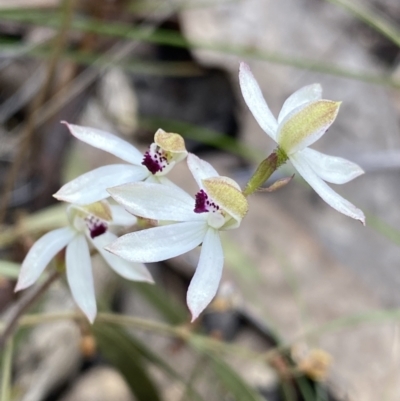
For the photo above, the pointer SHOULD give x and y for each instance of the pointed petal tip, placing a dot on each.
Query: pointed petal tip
(58, 196)
(65, 198)
(194, 314)
(244, 66)
(91, 316)
(19, 287)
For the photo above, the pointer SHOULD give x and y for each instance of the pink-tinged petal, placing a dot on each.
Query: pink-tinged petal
(129, 270)
(80, 277)
(255, 101)
(155, 201)
(306, 124)
(40, 255)
(335, 170)
(200, 169)
(91, 187)
(159, 243)
(205, 282)
(108, 142)
(307, 94)
(324, 191)
(120, 217)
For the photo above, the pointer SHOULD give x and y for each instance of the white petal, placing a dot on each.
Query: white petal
(91, 187)
(205, 282)
(324, 191)
(331, 168)
(200, 169)
(108, 142)
(129, 270)
(40, 255)
(120, 217)
(156, 201)
(80, 277)
(255, 101)
(159, 243)
(304, 95)
(162, 179)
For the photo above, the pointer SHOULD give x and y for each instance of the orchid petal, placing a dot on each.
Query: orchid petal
(307, 94)
(159, 243)
(205, 282)
(91, 187)
(255, 101)
(80, 277)
(324, 191)
(200, 169)
(155, 201)
(306, 124)
(40, 255)
(120, 217)
(108, 142)
(163, 180)
(331, 168)
(129, 270)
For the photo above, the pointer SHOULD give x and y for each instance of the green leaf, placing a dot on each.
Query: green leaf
(9, 269)
(44, 220)
(121, 351)
(239, 389)
(172, 38)
(154, 359)
(172, 311)
(203, 135)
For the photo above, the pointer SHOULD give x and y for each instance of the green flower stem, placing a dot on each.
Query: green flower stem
(6, 371)
(182, 332)
(264, 171)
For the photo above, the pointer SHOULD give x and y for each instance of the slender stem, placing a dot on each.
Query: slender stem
(264, 171)
(371, 18)
(6, 371)
(25, 302)
(198, 368)
(31, 121)
(182, 332)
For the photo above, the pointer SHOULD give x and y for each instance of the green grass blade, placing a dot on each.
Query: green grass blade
(121, 352)
(237, 387)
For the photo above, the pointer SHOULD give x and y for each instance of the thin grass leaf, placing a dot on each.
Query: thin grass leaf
(6, 369)
(44, 220)
(237, 387)
(203, 135)
(147, 354)
(9, 270)
(372, 18)
(172, 311)
(173, 38)
(121, 352)
(389, 232)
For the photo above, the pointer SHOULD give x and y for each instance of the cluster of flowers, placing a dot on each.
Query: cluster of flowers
(180, 223)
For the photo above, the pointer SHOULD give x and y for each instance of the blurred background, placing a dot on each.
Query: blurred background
(308, 308)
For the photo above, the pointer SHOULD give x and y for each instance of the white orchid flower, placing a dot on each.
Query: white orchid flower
(88, 224)
(304, 118)
(219, 205)
(167, 150)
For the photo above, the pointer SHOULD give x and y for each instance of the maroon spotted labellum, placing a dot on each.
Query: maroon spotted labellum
(154, 160)
(203, 204)
(96, 226)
